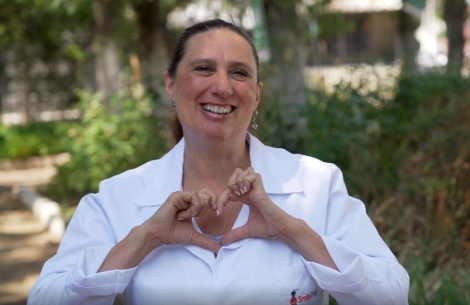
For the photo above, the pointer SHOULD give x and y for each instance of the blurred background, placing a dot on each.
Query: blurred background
(379, 87)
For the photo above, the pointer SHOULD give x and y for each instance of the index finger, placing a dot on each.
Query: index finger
(194, 205)
(227, 195)
(232, 181)
(206, 194)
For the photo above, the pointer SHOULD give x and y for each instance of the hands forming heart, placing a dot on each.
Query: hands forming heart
(266, 219)
(172, 224)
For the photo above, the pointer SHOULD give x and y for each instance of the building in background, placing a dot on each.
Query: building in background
(350, 31)
(364, 31)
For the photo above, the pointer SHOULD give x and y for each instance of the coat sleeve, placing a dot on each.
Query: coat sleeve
(70, 277)
(368, 273)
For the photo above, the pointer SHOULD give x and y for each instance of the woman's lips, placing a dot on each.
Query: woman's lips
(218, 109)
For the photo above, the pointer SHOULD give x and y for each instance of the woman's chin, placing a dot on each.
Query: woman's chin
(218, 134)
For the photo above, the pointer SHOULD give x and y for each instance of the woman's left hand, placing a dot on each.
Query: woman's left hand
(266, 220)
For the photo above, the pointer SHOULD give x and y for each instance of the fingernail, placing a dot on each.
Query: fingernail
(180, 218)
(194, 214)
(244, 189)
(238, 193)
(217, 212)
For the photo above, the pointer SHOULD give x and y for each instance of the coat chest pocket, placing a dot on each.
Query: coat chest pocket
(296, 286)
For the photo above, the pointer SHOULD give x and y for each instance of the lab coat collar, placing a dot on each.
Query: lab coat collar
(276, 173)
(167, 176)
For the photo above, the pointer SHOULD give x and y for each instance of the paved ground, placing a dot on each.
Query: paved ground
(24, 243)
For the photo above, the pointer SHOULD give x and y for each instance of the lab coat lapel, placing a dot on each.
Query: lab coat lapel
(277, 174)
(165, 179)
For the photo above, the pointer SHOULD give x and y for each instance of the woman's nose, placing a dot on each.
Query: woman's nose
(223, 85)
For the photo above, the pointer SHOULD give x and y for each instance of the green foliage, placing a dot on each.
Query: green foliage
(42, 41)
(2, 138)
(419, 4)
(437, 286)
(343, 128)
(280, 124)
(74, 52)
(332, 301)
(333, 24)
(41, 22)
(431, 137)
(34, 139)
(109, 141)
(404, 151)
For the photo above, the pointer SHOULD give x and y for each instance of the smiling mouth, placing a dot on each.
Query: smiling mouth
(217, 109)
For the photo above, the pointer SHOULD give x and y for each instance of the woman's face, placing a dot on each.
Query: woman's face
(215, 88)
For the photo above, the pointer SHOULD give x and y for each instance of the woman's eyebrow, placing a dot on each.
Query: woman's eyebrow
(199, 61)
(209, 61)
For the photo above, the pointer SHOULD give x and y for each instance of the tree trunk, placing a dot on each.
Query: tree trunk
(105, 49)
(410, 46)
(287, 51)
(153, 47)
(284, 93)
(455, 14)
(3, 78)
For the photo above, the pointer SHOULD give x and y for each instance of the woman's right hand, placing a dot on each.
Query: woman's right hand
(172, 222)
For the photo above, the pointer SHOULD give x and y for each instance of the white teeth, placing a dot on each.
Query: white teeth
(217, 109)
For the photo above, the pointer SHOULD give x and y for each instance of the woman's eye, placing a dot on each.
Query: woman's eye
(203, 69)
(240, 73)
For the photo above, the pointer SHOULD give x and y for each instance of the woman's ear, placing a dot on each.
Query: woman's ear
(259, 89)
(169, 82)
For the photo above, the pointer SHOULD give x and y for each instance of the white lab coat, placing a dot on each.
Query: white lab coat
(250, 271)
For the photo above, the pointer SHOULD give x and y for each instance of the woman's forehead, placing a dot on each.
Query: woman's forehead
(220, 42)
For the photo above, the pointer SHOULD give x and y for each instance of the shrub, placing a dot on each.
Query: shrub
(109, 141)
(430, 220)
(407, 155)
(344, 128)
(34, 139)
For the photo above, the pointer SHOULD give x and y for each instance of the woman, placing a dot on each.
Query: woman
(221, 218)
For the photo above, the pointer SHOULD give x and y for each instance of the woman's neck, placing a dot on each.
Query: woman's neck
(213, 163)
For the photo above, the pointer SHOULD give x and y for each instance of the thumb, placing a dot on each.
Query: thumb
(235, 235)
(205, 242)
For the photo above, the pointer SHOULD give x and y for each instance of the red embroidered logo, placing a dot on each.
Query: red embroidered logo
(294, 300)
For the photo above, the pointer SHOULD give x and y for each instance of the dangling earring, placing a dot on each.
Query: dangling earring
(254, 125)
(172, 103)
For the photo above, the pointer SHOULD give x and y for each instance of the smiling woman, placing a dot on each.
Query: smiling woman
(215, 86)
(221, 218)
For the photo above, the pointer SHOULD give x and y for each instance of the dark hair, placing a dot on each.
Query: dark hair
(180, 49)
